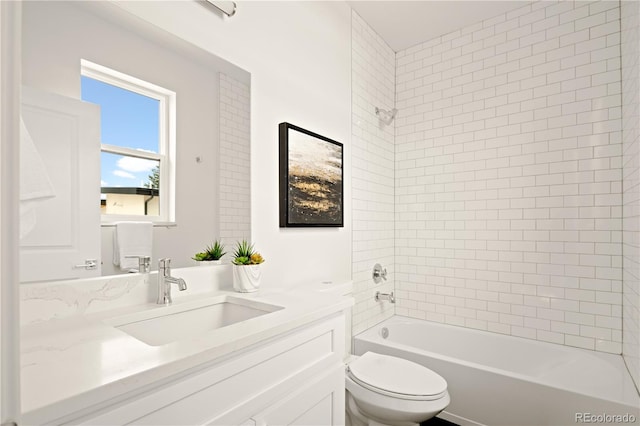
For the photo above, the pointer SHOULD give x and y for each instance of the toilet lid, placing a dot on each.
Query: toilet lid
(397, 375)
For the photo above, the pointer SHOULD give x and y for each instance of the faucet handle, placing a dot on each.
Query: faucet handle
(164, 267)
(379, 273)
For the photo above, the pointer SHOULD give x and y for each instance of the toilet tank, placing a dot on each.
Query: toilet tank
(345, 289)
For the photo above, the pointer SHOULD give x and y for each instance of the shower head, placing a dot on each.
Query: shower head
(386, 116)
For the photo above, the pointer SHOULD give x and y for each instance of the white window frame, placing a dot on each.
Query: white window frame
(167, 139)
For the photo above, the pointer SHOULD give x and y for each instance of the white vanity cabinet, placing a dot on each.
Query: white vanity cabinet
(319, 402)
(294, 378)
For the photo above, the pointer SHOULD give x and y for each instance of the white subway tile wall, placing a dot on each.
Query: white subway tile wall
(508, 174)
(373, 69)
(630, 47)
(235, 169)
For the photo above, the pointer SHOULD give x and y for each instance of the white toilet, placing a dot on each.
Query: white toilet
(386, 390)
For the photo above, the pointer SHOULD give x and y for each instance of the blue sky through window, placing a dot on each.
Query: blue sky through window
(127, 119)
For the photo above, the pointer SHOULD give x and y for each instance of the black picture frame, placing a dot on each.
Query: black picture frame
(311, 179)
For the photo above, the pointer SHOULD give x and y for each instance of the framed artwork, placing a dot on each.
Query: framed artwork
(311, 179)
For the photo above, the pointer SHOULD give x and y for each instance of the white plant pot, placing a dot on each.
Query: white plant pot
(208, 262)
(246, 278)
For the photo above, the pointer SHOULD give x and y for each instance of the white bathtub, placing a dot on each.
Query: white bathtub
(502, 380)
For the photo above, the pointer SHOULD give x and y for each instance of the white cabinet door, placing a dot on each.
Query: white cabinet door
(320, 402)
(66, 135)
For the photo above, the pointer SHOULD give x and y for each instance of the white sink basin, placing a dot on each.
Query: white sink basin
(178, 322)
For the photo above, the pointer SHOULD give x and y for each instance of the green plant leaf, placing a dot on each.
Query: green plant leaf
(212, 252)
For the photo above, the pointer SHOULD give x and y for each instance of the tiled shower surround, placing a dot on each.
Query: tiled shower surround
(508, 176)
(508, 171)
(373, 85)
(630, 47)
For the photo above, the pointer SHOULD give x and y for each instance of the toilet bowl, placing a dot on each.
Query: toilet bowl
(382, 390)
(386, 390)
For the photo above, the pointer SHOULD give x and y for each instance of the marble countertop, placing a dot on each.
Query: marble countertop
(77, 361)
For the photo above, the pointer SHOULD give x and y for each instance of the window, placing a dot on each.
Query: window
(137, 122)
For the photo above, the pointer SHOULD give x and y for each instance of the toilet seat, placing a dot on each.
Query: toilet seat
(396, 378)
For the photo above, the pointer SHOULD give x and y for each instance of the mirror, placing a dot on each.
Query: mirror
(205, 177)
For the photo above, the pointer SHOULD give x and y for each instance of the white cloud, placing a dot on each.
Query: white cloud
(146, 150)
(136, 165)
(122, 173)
(103, 183)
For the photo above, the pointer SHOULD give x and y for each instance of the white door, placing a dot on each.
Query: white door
(9, 301)
(66, 227)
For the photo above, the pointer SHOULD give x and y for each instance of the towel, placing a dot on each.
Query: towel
(35, 185)
(131, 239)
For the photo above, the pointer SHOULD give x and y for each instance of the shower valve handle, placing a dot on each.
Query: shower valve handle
(379, 273)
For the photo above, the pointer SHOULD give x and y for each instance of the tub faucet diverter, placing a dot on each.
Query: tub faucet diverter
(165, 280)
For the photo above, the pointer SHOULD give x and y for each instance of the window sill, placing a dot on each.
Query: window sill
(108, 224)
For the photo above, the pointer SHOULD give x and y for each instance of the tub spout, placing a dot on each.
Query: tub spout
(385, 296)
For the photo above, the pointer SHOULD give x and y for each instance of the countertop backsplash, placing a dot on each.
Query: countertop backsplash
(45, 301)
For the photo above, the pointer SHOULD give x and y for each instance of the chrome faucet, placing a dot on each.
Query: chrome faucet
(165, 280)
(144, 263)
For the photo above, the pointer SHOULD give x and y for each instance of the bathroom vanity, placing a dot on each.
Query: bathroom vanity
(276, 358)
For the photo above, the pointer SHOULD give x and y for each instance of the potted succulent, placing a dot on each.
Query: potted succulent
(246, 268)
(211, 254)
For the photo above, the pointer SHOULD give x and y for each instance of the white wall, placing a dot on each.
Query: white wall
(630, 47)
(299, 59)
(508, 176)
(373, 71)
